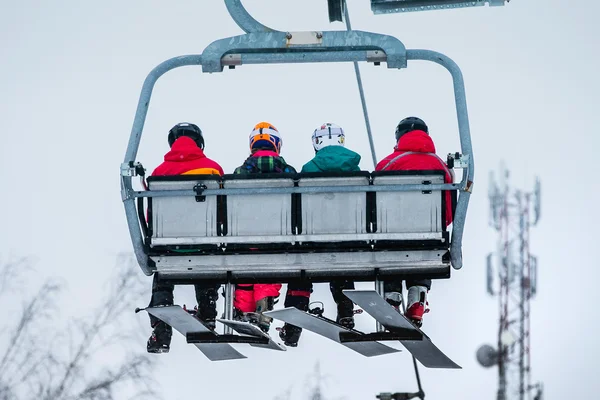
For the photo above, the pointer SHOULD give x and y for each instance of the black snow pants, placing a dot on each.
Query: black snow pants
(396, 284)
(298, 293)
(206, 296)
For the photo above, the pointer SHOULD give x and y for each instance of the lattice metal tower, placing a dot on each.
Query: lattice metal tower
(513, 279)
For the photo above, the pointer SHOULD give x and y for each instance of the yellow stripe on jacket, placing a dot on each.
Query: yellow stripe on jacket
(202, 171)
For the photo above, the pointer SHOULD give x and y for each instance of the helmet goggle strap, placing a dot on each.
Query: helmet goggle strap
(267, 134)
(187, 131)
(265, 131)
(329, 131)
(412, 127)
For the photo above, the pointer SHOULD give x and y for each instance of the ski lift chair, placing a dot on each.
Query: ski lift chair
(313, 226)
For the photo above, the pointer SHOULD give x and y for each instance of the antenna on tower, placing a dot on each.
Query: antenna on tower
(514, 281)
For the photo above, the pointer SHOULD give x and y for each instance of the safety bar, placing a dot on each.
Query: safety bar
(301, 189)
(279, 47)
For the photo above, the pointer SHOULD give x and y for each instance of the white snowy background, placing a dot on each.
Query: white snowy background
(70, 77)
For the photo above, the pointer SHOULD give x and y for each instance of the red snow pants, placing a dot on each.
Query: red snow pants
(246, 295)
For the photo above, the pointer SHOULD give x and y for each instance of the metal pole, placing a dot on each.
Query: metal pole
(379, 289)
(362, 94)
(228, 307)
(522, 216)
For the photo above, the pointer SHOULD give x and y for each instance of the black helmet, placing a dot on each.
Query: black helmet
(410, 124)
(186, 129)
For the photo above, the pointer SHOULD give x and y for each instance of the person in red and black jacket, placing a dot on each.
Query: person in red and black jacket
(414, 150)
(186, 157)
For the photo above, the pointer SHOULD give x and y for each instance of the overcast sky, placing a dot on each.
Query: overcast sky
(70, 77)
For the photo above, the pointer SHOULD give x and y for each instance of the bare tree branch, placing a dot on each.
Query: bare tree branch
(11, 271)
(22, 334)
(32, 366)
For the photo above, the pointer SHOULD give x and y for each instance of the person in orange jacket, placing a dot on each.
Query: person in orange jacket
(186, 157)
(414, 150)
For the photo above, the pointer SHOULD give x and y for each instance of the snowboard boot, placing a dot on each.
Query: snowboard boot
(239, 315)
(345, 313)
(297, 296)
(160, 341)
(345, 307)
(394, 299)
(290, 334)
(417, 304)
(262, 305)
(207, 306)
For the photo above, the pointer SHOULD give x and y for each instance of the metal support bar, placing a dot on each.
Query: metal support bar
(236, 59)
(298, 189)
(243, 18)
(229, 293)
(379, 288)
(273, 47)
(186, 277)
(295, 238)
(131, 214)
(465, 144)
(210, 337)
(408, 334)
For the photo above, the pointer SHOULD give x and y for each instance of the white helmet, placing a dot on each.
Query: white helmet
(328, 135)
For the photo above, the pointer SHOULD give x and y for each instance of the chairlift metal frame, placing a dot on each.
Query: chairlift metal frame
(263, 45)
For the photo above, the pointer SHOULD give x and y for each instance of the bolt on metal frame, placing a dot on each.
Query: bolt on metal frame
(263, 45)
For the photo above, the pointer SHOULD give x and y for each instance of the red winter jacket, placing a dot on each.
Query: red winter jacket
(418, 142)
(186, 158)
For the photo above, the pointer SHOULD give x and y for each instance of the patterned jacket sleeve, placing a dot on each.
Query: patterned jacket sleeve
(245, 168)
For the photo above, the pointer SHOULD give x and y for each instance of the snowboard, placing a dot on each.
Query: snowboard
(246, 328)
(185, 323)
(329, 329)
(421, 347)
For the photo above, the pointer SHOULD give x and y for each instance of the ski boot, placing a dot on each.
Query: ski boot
(345, 313)
(160, 341)
(290, 334)
(417, 304)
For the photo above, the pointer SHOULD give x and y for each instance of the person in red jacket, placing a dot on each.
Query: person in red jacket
(251, 300)
(414, 150)
(186, 157)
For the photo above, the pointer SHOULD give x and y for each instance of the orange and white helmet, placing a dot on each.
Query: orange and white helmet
(328, 134)
(265, 136)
